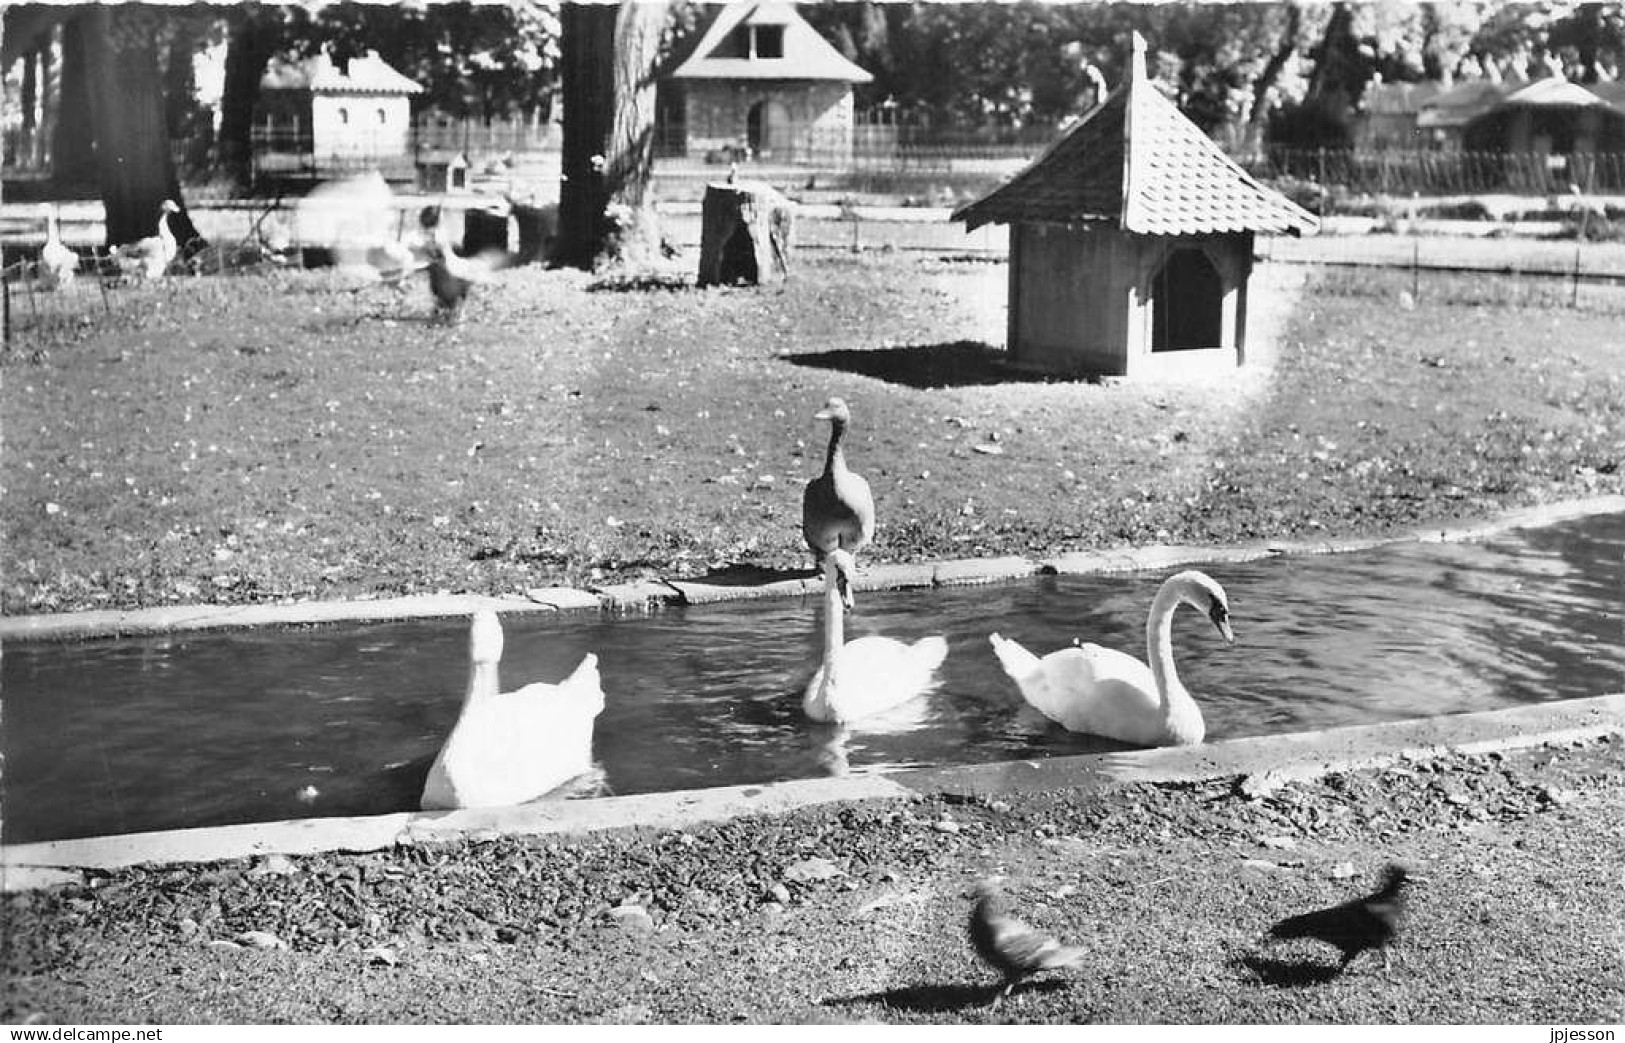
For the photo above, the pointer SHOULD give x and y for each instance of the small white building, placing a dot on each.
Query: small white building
(314, 119)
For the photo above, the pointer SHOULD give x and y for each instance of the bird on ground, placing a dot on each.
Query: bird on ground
(510, 747)
(451, 275)
(1009, 946)
(837, 510)
(150, 257)
(870, 674)
(1365, 923)
(57, 263)
(1101, 691)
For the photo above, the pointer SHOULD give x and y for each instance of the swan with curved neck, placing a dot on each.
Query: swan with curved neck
(837, 510)
(510, 747)
(1101, 691)
(870, 674)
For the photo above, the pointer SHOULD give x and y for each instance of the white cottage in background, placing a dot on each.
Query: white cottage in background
(1131, 242)
(314, 119)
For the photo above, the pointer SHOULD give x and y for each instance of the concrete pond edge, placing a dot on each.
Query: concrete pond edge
(1263, 763)
(647, 594)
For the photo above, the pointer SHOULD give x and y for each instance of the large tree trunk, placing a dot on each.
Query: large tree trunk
(73, 155)
(133, 162)
(608, 57)
(30, 91)
(255, 34)
(1258, 112)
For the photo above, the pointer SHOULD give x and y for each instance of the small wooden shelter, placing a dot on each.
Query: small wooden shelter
(1131, 242)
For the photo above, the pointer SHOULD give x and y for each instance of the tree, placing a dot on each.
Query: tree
(73, 154)
(481, 61)
(133, 162)
(1592, 35)
(255, 33)
(609, 60)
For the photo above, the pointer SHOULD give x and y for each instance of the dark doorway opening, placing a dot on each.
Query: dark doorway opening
(756, 127)
(1187, 303)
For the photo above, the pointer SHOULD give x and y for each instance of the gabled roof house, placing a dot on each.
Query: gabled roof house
(1131, 242)
(761, 83)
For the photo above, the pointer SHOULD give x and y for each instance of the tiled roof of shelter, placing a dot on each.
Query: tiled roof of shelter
(369, 74)
(802, 53)
(1553, 92)
(1137, 163)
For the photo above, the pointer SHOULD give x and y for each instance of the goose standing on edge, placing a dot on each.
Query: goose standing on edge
(870, 674)
(510, 747)
(1101, 691)
(837, 510)
(151, 257)
(58, 264)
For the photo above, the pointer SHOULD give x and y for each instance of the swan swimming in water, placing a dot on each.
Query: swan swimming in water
(510, 747)
(1101, 691)
(865, 676)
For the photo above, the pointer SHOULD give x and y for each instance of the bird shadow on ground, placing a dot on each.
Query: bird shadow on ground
(928, 999)
(1285, 974)
(960, 363)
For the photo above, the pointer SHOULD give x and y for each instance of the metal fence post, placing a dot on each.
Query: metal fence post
(1574, 299)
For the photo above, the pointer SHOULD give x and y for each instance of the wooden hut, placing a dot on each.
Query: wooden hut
(1131, 242)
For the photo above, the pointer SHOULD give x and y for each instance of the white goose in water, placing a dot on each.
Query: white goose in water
(151, 257)
(1101, 691)
(870, 674)
(509, 747)
(837, 510)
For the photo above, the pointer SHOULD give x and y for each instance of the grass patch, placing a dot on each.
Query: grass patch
(293, 437)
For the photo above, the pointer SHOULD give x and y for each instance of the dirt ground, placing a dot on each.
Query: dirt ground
(857, 912)
(295, 438)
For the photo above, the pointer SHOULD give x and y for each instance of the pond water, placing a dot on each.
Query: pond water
(197, 729)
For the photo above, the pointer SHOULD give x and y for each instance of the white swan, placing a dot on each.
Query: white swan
(1101, 691)
(58, 263)
(871, 674)
(509, 747)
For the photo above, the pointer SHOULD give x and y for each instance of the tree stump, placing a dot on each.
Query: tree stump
(745, 234)
(538, 227)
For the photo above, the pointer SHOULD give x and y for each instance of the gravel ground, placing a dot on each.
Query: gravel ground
(857, 912)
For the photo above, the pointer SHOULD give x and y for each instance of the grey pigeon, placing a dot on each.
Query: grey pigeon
(1009, 946)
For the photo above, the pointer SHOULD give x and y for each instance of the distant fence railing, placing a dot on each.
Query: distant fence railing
(1322, 178)
(1422, 172)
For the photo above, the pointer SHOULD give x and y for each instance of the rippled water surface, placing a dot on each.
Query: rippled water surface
(211, 728)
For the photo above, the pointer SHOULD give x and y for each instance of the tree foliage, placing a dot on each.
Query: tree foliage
(473, 60)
